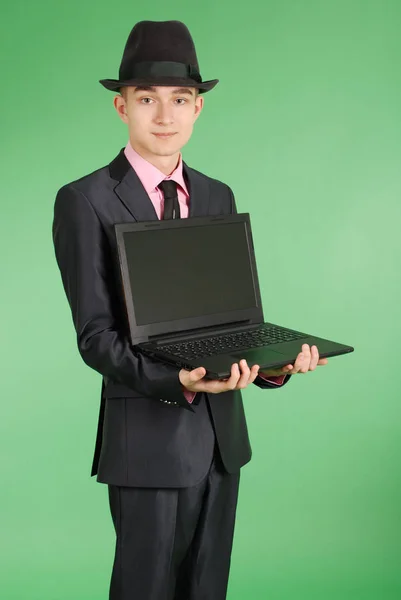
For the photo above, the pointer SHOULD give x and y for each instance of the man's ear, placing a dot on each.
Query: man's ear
(198, 106)
(121, 107)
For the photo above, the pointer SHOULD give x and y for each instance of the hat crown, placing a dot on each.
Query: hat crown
(159, 53)
(151, 41)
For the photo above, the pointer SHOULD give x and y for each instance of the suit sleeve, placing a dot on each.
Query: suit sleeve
(86, 265)
(262, 382)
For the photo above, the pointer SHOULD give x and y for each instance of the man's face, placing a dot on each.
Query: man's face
(160, 119)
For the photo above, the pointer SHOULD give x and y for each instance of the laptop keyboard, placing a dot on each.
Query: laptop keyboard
(228, 342)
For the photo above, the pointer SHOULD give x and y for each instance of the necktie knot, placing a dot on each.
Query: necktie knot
(168, 187)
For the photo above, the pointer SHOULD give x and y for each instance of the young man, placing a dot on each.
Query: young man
(170, 443)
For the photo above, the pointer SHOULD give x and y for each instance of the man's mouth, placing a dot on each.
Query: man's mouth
(164, 135)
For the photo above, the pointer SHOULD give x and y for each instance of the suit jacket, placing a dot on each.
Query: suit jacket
(141, 440)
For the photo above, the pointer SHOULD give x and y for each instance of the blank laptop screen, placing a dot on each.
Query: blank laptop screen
(189, 272)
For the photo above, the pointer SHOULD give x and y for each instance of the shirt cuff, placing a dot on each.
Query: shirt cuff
(189, 396)
(278, 380)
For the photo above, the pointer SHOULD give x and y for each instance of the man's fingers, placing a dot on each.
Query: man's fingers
(245, 374)
(215, 386)
(306, 358)
(219, 386)
(302, 361)
(299, 361)
(253, 374)
(314, 358)
(234, 378)
(241, 375)
(238, 377)
(197, 374)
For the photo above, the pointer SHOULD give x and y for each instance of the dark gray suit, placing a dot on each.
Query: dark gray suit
(142, 440)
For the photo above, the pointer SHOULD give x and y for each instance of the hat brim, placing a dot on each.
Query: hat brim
(115, 85)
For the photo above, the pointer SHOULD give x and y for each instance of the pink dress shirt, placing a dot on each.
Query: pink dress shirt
(150, 177)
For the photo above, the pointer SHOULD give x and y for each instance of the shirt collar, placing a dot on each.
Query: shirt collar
(150, 175)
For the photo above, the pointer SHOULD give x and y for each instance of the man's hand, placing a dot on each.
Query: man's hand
(307, 360)
(241, 376)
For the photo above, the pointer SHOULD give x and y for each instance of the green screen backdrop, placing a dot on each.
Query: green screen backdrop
(305, 127)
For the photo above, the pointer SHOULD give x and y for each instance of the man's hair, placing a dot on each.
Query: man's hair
(123, 92)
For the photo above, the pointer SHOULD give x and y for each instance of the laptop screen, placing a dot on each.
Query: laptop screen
(191, 271)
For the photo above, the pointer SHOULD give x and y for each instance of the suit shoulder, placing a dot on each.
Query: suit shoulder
(211, 180)
(91, 181)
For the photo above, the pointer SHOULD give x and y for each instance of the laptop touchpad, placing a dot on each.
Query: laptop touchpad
(258, 355)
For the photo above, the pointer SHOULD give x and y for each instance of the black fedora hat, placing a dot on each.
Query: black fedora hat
(159, 53)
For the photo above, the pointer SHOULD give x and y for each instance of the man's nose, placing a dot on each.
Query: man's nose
(164, 114)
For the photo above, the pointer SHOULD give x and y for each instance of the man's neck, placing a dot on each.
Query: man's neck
(165, 164)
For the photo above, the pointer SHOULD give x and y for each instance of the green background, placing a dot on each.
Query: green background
(305, 127)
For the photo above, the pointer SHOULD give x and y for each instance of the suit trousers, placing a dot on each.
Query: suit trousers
(174, 543)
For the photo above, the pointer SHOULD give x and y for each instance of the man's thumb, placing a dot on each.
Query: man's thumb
(198, 373)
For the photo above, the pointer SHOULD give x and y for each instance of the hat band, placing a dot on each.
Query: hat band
(165, 68)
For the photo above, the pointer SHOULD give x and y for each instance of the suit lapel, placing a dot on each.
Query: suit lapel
(130, 190)
(133, 195)
(199, 192)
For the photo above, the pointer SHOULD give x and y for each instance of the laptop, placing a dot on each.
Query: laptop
(192, 296)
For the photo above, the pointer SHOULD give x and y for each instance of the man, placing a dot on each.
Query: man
(170, 443)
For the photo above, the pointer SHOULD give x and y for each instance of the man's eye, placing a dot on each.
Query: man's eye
(149, 100)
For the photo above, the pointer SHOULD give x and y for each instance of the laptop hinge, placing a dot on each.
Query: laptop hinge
(201, 332)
